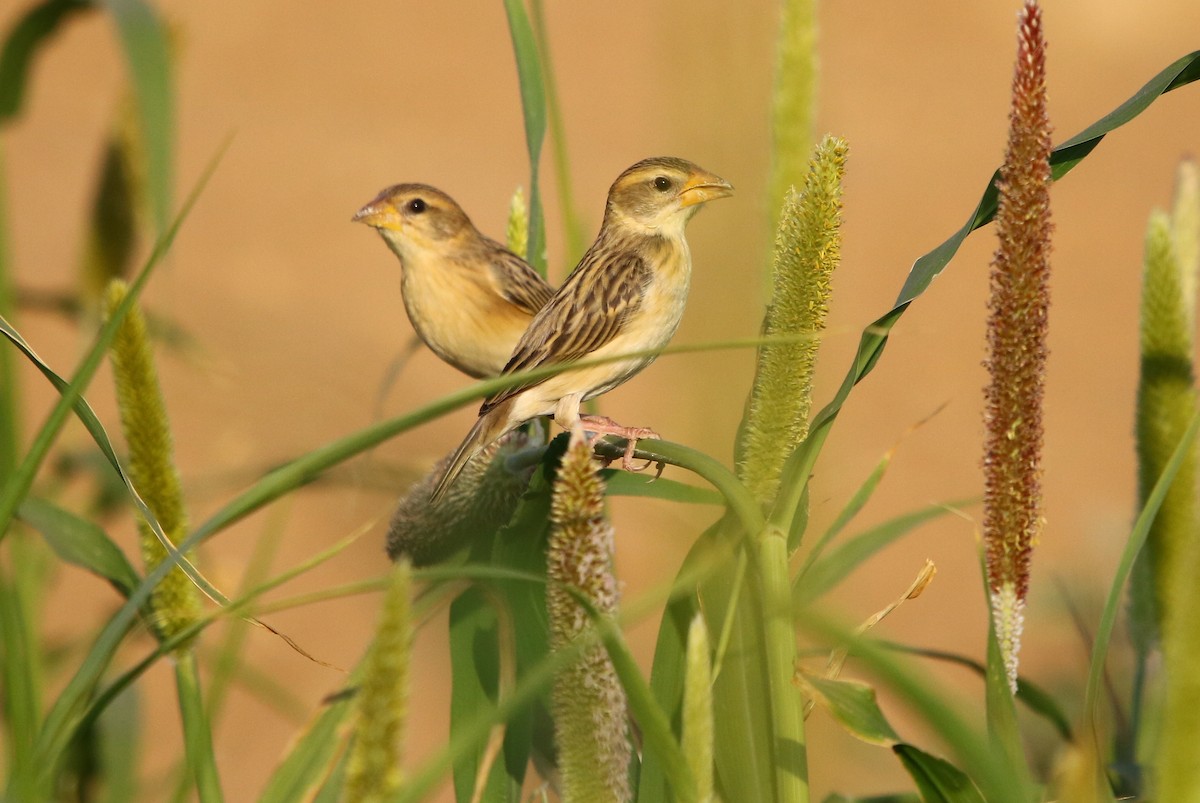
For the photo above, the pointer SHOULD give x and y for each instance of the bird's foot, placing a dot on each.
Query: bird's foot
(601, 425)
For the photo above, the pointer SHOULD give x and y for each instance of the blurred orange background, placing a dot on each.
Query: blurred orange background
(295, 312)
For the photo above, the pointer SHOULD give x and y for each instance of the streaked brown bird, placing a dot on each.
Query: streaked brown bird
(469, 298)
(627, 295)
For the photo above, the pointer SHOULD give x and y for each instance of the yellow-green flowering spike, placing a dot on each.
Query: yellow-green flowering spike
(1166, 401)
(480, 501)
(793, 105)
(698, 710)
(175, 602)
(1185, 233)
(807, 251)
(588, 701)
(518, 225)
(1017, 326)
(373, 768)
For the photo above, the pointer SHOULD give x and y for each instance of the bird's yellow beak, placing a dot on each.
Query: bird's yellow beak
(703, 187)
(378, 214)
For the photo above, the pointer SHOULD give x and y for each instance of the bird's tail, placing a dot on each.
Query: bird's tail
(487, 428)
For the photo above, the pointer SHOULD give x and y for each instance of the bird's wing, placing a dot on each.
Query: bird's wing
(586, 313)
(518, 282)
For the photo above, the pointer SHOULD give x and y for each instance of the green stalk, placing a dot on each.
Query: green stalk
(573, 234)
(779, 647)
(197, 736)
(18, 672)
(8, 378)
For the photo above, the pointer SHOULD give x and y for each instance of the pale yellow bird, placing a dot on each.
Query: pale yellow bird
(626, 295)
(469, 298)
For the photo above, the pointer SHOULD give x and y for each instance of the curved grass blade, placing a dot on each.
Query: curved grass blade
(1064, 158)
(144, 38)
(1037, 699)
(1137, 538)
(972, 747)
(20, 483)
(71, 393)
(303, 770)
(20, 686)
(9, 392)
(820, 576)
(854, 705)
(27, 35)
(623, 483)
(533, 104)
(939, 780)
(81, 543)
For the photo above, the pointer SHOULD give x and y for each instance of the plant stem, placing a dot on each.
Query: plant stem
(196, 732)
(779, 647)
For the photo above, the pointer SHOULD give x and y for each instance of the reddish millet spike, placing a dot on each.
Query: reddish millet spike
(1017, 332)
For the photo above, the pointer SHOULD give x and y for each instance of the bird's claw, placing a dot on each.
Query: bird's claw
(602, 425)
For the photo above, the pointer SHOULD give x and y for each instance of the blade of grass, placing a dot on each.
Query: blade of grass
(1037, 699)
(28, 34)
(573, 233)
(8, 377)
(304, 766)
(819, 576)
(939, 780)
(81, 543)
(119, 740)
(932, 703)
(1137, 538)
(21, 692)
(533, 104)
(144, 38)
(71, 398)
(1062, 160)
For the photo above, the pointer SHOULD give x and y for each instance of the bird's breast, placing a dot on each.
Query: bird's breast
(461, 317)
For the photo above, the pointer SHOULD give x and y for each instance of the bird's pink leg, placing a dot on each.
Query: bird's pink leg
(603, 425)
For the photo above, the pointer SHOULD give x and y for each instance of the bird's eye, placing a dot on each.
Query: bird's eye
(416, 206)
(662, 183)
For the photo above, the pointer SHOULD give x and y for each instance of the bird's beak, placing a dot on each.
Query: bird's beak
(377, 214)
(703, 187)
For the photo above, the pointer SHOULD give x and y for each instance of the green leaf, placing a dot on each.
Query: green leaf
(938, 780)
(303, 769)
(9, 390)
(667, 676)
(1137, 538)
(874, 337)
(900, 797)
(657, 735)
(474, 685)
(28, 34)
(625, 483)
(533, 103)
(852, 508)
(80, 543)
(118, 740)
(67, 711)
(147, 51)
(824, 574)
(1034, 697)
(20, 689)
(854, 705)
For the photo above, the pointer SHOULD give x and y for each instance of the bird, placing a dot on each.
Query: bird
(625, 297)
(468, 297)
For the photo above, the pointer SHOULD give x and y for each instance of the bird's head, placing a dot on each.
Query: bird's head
(416, 217)
(661, 194)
